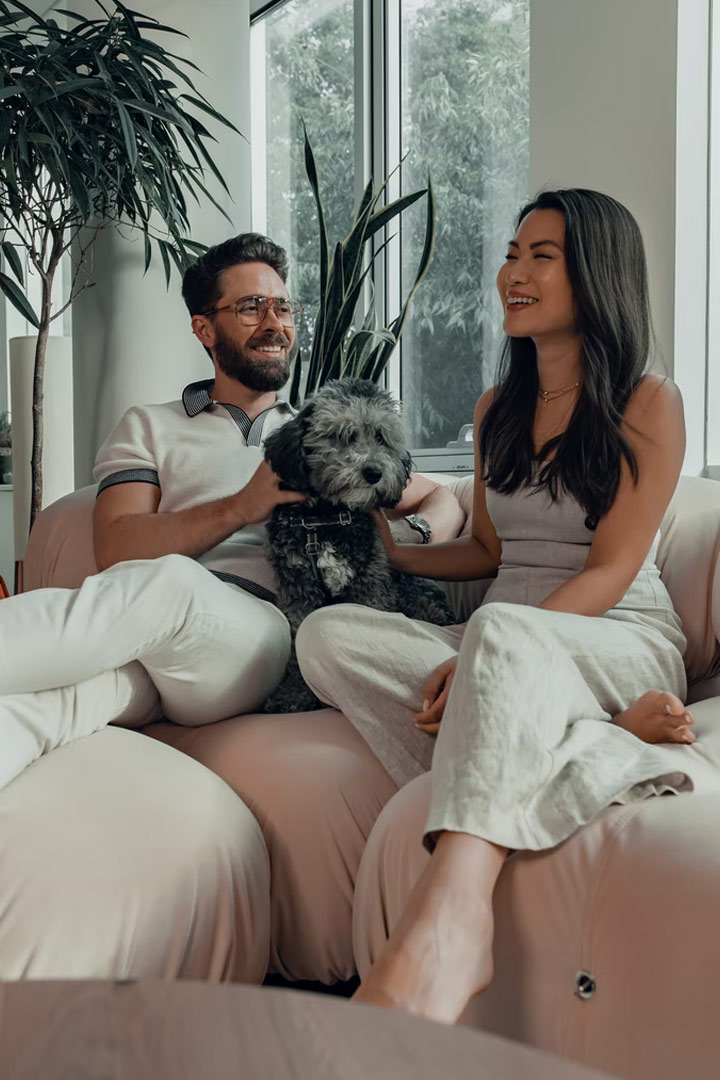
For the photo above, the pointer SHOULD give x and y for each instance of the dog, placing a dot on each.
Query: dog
(345, 449)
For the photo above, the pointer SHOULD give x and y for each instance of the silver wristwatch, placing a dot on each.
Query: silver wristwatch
(415, 521)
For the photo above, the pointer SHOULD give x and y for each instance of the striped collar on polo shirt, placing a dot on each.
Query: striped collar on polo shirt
(197, 397)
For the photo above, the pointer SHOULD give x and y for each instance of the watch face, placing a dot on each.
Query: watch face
(421, 525)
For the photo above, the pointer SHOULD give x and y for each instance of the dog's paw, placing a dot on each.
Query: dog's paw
(292, 703)
(424, 600)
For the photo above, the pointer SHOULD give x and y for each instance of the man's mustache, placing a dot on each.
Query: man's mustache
(270, 339)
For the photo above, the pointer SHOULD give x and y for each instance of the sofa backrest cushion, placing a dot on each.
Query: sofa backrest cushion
(60, 553)
(688, 559)
(60, 549)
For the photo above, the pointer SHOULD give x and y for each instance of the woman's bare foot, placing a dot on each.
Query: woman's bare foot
(440, 953)
(658, 717)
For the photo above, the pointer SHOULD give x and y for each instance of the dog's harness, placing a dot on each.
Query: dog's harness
(310, 524)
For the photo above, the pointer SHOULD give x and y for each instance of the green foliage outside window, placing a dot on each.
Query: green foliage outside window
(5, 431)
(466, 124)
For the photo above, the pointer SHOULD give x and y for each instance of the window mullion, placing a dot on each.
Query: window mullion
(258, 129)
(376, 141)
(363, 44)
(392, 69)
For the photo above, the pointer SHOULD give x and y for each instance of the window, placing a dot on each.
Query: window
(444, 88)
(304, 59)
(465, 122)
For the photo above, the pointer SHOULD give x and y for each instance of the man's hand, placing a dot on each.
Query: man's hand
(263, 493)
(128, 525)
(435, 694)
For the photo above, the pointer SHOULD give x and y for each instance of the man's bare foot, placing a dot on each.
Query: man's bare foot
(658, 717)
(440, 953)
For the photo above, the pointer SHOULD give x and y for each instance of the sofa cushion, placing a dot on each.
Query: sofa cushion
(688, 562)
(315, 788)
(121, 858)
(60, 549)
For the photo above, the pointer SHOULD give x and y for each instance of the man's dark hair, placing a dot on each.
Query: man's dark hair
(202, 287)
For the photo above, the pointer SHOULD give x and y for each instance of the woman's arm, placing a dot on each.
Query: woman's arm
(655, 428)
(435, 503)
(464, 559)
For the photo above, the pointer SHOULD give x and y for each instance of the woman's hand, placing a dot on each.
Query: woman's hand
(386, 537)
(435, 694)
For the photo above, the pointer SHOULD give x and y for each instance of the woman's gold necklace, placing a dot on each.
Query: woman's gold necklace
(551, 395)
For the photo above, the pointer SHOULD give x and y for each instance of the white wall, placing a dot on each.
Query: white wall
(618, 102)
(132, 339)
(602, 115)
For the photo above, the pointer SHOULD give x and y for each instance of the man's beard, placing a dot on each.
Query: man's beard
(237, 363)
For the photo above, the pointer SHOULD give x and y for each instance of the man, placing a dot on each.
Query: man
(180, 620)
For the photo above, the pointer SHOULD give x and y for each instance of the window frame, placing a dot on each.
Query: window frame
(378, 150)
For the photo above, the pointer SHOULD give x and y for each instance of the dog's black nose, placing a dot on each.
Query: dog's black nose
(372, 474)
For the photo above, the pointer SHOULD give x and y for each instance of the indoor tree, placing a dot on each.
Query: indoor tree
(99, 127)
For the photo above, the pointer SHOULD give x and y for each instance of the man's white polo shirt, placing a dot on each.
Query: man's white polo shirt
(197, 450)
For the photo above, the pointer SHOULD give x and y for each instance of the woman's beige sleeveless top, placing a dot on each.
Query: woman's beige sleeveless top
(544, 543)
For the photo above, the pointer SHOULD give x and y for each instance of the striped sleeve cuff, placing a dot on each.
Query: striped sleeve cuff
(130, 476)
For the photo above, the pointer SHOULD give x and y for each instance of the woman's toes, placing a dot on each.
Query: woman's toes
(670, 704)
(679, 732)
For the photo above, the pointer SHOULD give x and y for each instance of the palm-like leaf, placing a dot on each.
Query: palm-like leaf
(99, 126)
(93, 128)
(339, 349)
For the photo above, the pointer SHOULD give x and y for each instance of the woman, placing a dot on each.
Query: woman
(578, 452)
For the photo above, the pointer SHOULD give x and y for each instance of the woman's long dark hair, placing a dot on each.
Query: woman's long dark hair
(606, 265)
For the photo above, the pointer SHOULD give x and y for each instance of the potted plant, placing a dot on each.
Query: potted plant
(99, 127)
(5, 449)
(340, 347)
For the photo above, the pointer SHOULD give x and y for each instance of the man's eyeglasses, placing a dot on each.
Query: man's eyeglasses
(251, 310)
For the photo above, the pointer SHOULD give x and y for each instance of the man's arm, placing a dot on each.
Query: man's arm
(127, 524)
(435, 503)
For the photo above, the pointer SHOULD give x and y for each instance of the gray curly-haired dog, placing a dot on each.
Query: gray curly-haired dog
(346, 450)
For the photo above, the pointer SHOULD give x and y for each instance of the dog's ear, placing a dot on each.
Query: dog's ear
(407, 463)
(285, 453)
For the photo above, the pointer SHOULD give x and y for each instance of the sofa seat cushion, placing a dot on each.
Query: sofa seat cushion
(123, 859)
(316, 789)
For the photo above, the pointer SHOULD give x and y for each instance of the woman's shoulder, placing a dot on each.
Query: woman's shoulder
(655, 401)
(482, 405)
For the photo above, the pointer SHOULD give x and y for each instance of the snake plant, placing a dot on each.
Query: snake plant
(340, 348)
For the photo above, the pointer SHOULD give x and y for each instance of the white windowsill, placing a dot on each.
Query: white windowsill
(445, 461)
(6, 487)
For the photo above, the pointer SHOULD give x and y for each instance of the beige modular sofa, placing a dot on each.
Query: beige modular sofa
(101, 839)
